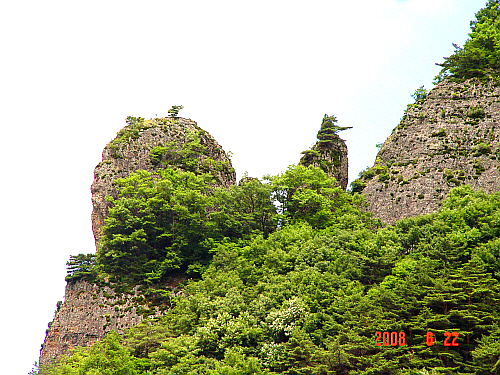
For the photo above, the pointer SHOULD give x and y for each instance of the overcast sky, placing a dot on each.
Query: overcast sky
(258, 75)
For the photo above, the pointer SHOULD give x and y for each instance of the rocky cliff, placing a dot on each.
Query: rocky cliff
(90, 310)
(329, 152)
(449, 137)
(150, 145)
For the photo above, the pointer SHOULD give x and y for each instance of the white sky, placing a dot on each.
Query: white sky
(258, 75)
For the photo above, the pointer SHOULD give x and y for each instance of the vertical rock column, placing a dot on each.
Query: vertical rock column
(329, 152)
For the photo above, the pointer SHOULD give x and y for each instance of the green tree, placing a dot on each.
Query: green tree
(420, 94)
(309, 194)
(80, 266)
(172, 219)
(174, 111)
(306, 297)
(106, 357)
(487, 354)
(158, 223)
(480, 55)
(329, 128)
(246, 208)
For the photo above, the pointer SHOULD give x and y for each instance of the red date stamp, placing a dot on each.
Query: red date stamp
(390, 339)
(399, 338)
(448, 341)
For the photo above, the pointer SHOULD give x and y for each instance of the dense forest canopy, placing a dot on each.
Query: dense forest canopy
(301, 288)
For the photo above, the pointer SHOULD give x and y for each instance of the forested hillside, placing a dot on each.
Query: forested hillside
(306, 296)
(291, 274)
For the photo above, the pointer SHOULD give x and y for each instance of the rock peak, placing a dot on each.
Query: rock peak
(329, 152)
(448, 138)
(151, 145)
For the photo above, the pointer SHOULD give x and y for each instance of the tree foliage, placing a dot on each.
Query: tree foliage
(480, 55)
(329, 129)
(172, 219)
(80, 266)
(308, 194)
(309, 296)
(174, 111)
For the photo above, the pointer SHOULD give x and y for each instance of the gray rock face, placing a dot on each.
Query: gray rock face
(131, 151)
(330, 156)
(87, 314)
(449, 138)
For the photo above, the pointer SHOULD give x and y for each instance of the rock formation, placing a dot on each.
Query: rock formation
(91, 310)
(329, 152)
(88, 313)
(448, 138)
(150, 145)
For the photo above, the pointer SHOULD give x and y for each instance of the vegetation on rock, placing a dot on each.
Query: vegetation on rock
(174, 111)
(80, 266)
(329, 152)
(480, 55)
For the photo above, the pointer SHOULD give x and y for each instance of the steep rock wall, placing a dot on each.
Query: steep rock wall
(331, 156)
(449, 138)
(89, 312)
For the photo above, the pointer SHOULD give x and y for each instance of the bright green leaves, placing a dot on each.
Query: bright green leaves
(303, 291)
(171, 220)
(107, 357)
(159, 223)
(308, 194)
(487, 354)
(480, 55)
(309, 300)
(246, 208)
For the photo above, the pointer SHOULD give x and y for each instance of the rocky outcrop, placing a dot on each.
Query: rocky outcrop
(89, 312)
(449, 138)
(151, 145)
(329, 152)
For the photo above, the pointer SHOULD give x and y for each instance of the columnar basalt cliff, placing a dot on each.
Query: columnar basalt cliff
(150, 145)
(449, 138)
(329, 152)
(90, 310)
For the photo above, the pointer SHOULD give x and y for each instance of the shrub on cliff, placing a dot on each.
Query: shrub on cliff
(329, 129)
